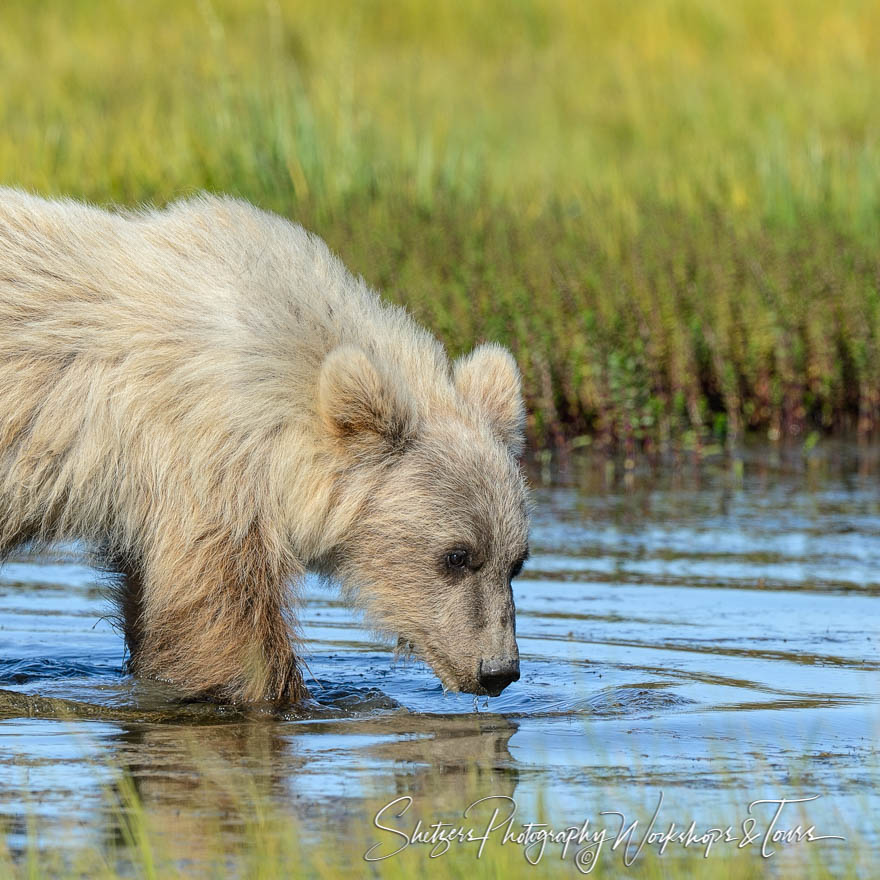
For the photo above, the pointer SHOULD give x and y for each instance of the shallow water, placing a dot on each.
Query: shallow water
(706, 630)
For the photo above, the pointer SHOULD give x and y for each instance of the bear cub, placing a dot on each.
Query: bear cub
(210, 399)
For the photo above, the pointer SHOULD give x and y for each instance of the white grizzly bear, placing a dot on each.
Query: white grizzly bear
(209, 398)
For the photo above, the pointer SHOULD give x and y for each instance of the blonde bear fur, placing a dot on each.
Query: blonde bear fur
(207, 396)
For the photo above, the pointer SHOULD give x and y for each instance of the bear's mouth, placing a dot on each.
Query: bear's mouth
(449, 677)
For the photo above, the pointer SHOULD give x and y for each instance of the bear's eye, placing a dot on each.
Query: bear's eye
(457, 559)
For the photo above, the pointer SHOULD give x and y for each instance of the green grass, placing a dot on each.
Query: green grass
(240, 830)
(668, 209)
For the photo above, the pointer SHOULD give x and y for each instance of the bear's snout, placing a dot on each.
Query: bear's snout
(496, 673)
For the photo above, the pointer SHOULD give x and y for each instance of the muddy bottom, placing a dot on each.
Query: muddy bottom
(708, 633)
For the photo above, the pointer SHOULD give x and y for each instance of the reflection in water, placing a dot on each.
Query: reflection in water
(709, 630)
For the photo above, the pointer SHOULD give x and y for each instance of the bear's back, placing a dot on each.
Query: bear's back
(208, 294)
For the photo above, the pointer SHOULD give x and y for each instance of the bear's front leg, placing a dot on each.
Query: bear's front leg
(215, 618)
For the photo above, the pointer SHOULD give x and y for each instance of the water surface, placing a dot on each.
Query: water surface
(709, 630)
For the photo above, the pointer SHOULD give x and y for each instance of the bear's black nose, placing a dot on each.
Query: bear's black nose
(497, 673)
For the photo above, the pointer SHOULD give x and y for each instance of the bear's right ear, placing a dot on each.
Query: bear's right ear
(489, 379)
(360, 407)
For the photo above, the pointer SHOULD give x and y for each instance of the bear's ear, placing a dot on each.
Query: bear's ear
(489, 379)
(360, 407)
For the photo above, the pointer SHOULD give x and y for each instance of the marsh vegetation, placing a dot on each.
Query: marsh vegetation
(668, 210)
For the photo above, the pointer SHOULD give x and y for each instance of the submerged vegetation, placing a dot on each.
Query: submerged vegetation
(669, 210)
(249, 835)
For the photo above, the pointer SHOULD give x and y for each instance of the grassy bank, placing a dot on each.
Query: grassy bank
(669, 210)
